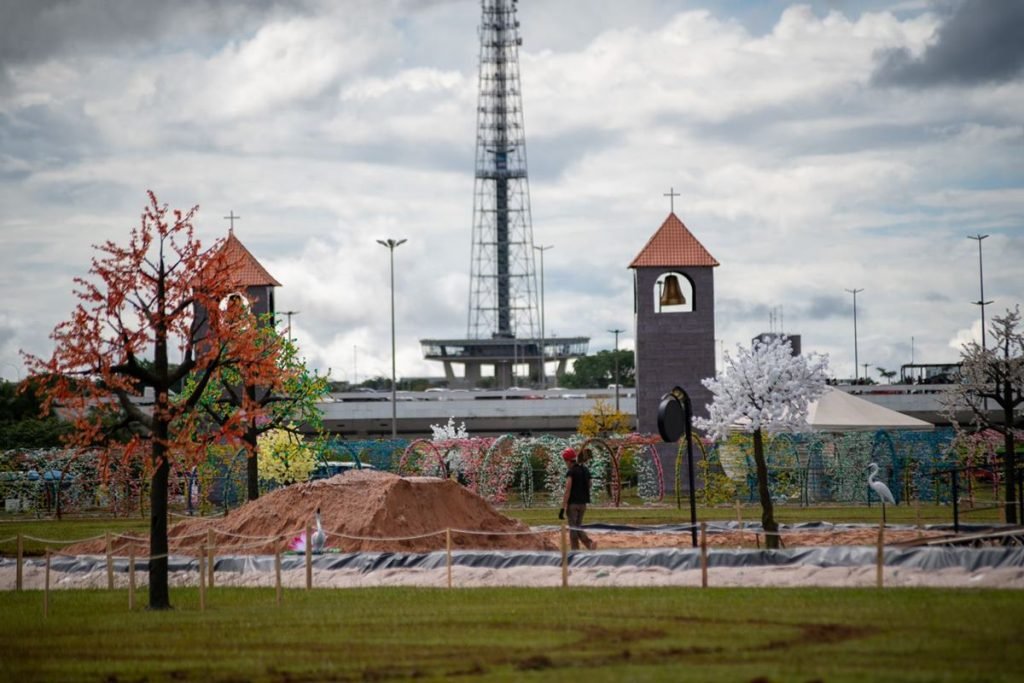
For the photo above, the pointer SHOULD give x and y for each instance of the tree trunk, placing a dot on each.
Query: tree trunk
(159, 593)
(252, 470)
(252, 465)
(1009, 465)
(771, 536)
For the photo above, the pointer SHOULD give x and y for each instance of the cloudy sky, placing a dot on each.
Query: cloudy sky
(816, 148)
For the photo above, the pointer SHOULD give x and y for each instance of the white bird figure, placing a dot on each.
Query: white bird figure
(879, 488)
(319, 536)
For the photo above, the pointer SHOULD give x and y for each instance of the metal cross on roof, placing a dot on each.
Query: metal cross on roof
(232, 217)
(671, 194)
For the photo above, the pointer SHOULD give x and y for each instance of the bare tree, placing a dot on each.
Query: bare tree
(991, 391)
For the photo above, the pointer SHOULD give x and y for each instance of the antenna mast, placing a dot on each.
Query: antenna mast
(503, 292)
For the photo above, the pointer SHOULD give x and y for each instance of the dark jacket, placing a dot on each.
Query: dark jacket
(580, 485)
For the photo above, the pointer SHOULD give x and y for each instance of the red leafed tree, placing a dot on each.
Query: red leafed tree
(160, 298)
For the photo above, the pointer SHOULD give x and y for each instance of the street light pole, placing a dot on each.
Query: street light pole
(855, 359)
(543, 356)
(616, 332)
(981, 283)
(289, 315)
(391, 244)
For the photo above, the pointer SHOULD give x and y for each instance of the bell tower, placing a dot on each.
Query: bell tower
(674, 306)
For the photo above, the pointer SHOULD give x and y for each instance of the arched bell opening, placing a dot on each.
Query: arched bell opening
(673, 293)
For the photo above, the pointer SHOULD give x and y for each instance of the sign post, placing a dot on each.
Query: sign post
(675, 419)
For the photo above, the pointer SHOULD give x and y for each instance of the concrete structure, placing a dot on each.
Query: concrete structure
(361, 415)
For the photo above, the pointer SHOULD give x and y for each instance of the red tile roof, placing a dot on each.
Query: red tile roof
(673, 245)
(245, 268)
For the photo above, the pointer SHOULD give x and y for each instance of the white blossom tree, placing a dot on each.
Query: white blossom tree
(454, 459)
(991, 389)
(764, 388)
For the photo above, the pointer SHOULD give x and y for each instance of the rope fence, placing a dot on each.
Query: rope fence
(202, 556)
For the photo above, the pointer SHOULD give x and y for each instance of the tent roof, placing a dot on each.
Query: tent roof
(838, 411)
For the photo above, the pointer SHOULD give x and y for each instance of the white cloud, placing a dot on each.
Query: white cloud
(331, 125)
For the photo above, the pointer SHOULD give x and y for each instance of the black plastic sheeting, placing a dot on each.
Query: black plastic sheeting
(925, 559)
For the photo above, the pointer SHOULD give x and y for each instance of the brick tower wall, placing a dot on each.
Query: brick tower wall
(673, 348)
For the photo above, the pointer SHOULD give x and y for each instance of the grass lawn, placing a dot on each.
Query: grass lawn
(506, 634)
(64, 531)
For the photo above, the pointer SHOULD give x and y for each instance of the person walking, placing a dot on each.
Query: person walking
(577, 495)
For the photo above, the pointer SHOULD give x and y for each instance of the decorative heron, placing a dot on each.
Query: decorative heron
(320, 537)
(317, 539)
(879, 488)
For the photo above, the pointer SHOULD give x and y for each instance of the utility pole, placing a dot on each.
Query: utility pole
(855, 359)
(543, 355)
(981, 284)
(616, 332)
(289, 315)
(391, 245)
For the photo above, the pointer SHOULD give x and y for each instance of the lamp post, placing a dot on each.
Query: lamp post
(855, 359)
(391, 244)
(981, 284)
(543, 355)
(616, 332)
(289, 315)
(675, 419)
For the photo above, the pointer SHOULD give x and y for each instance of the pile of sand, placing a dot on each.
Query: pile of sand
(411, 513)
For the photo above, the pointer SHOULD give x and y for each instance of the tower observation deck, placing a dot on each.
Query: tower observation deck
(504, 328)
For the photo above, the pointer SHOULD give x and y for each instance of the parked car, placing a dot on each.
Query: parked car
(326, 470)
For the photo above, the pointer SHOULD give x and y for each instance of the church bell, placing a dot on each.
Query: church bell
(671, 294)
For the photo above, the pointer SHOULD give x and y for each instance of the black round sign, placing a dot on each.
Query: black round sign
(671, 421)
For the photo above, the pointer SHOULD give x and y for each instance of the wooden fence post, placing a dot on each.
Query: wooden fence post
(880, 553)
(448, 548)
(565, 554)
(18, 577)
(917, 516)
(110, 563)
(703, 555)
(210, 557)
(46, 587)
(309, 557)
(202, 580)
(277, 572)
(131, 577)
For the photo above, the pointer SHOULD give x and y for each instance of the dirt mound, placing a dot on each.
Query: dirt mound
(409, 513)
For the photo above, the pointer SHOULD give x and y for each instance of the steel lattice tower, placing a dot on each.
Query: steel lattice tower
(503, 291)
(504, 317)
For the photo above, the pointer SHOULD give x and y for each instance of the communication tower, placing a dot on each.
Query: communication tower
(504, 326)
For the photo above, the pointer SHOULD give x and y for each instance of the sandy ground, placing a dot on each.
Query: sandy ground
(467, 577)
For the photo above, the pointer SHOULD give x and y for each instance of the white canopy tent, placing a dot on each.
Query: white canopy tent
(838, 411)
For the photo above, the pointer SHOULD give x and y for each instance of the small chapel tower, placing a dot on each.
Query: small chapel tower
(674, 306)
(257, 284)
(249, 277)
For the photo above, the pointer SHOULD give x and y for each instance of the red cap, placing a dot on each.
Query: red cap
(568, 454)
